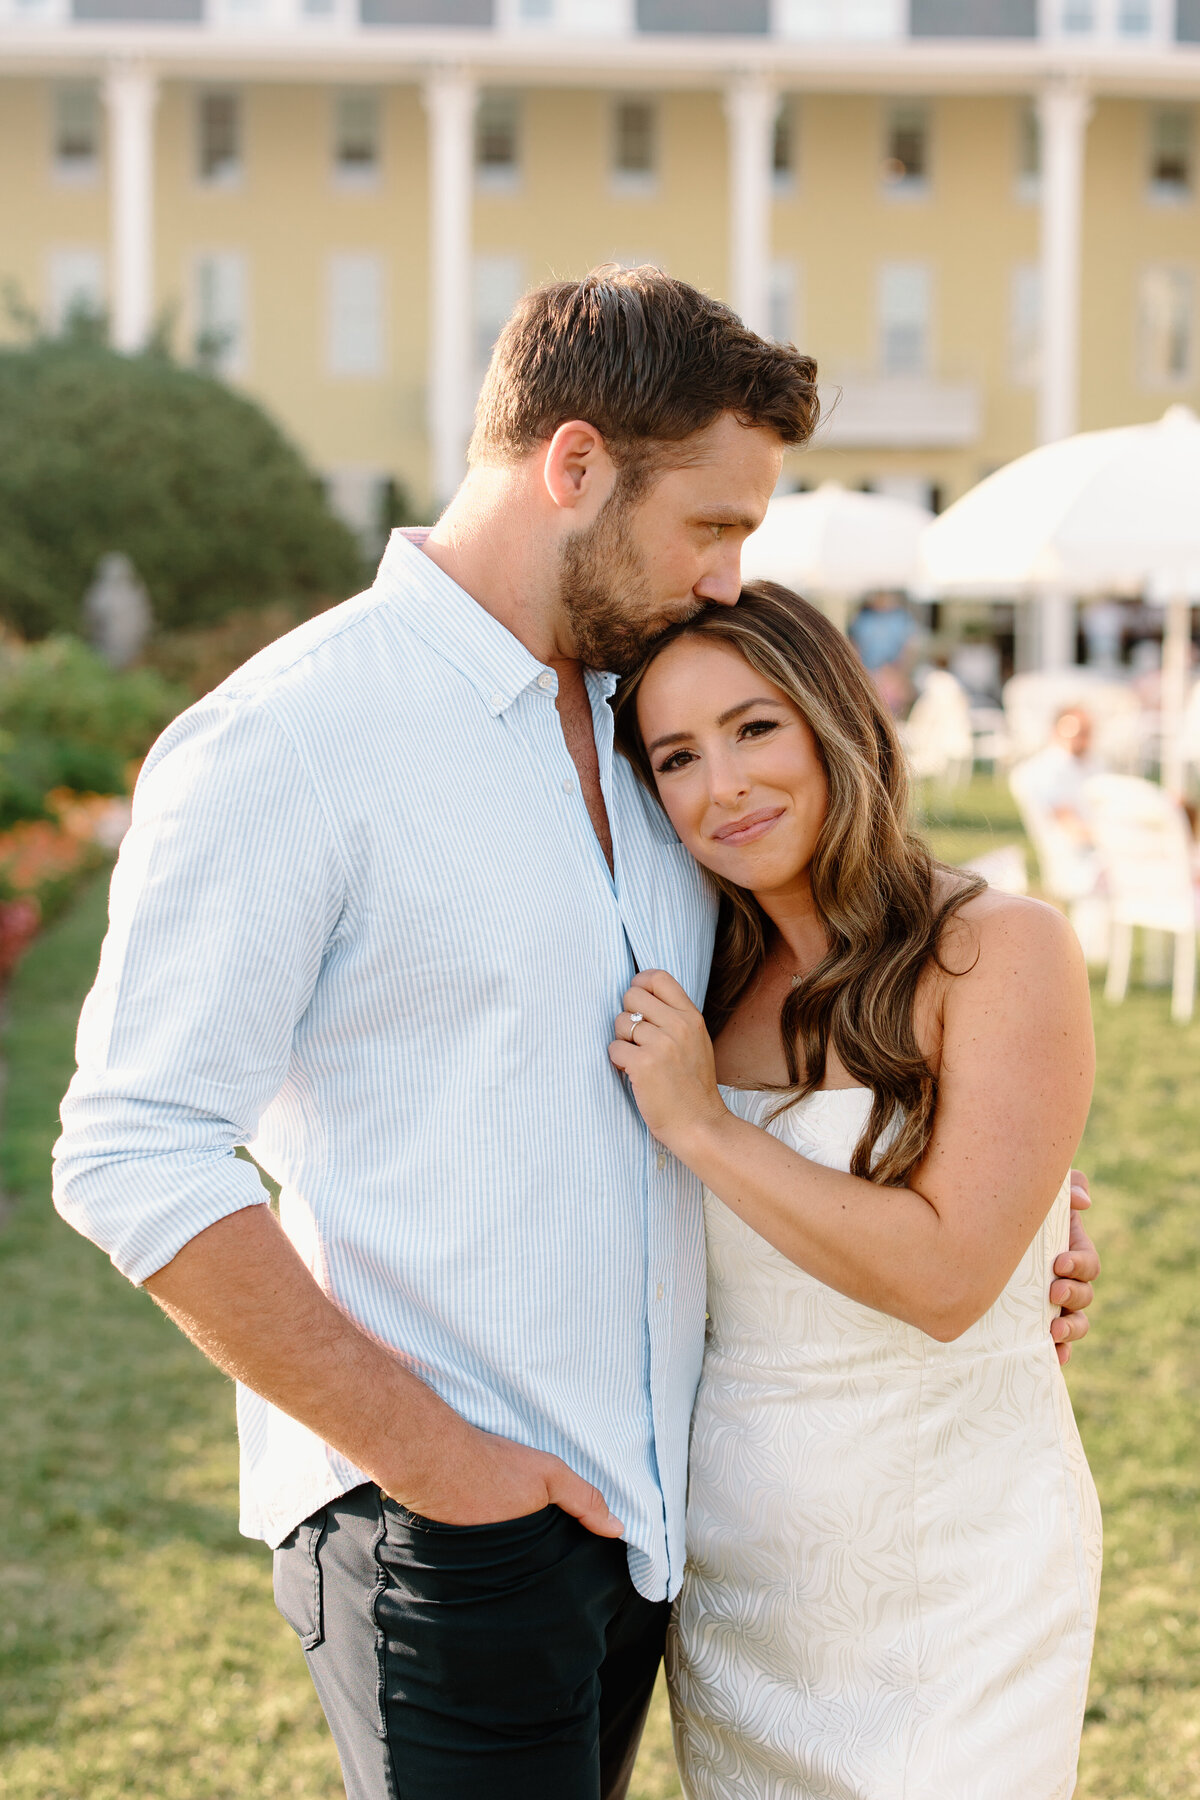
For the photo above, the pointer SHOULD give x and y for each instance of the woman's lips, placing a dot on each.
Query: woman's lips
(749, 829)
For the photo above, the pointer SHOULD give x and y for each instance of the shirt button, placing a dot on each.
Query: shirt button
(568, 786)
(658, 1292)
(661, 1159)
(497, 700)
(545, 679)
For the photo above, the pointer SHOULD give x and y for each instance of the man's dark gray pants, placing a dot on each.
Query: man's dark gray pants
(479, 1662)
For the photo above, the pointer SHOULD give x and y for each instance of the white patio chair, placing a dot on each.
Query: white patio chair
(1145, 847)
(937, 733)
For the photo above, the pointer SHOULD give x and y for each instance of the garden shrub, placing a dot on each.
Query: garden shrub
(101, 452)
(69, 721)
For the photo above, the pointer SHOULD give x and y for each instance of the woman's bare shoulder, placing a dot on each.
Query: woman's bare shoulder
(998, 934)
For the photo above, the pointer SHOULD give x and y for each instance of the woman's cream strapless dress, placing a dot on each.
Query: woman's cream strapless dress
(893, 1544)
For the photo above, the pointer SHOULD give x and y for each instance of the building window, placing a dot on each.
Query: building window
(76, 132)
(219, 311)
(1078, 17)
(782, 287)
(635, 146)
(1134, 18)
(499, 284)
(1166, 326)
(497, 141)
(75, 288)
(904, 309)
(1025, 324)
(356, 137)
(783, 147)
(354, 314)
(219, 139)
(1170, 154)
(1029, 151)
(906, 150)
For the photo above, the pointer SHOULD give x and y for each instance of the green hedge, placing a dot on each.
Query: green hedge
(101, 452)
(68, 720)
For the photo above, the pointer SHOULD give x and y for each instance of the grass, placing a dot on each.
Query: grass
(140, 1654)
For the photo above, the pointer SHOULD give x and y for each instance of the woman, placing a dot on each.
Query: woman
(893, 1538)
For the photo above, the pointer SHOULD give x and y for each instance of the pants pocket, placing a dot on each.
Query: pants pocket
(297, 1581)
(404, 1515)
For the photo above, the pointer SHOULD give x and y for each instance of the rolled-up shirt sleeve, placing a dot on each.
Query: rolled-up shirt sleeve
(226, 896)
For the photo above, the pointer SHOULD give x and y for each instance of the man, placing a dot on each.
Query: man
(1049, 786)
(383, 894)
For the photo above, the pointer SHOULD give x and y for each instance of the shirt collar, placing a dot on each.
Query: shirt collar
(457, 628)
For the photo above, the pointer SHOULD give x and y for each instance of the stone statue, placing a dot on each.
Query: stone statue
(116, 611)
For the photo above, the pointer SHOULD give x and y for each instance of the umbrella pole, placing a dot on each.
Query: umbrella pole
(1177, 648)
(1057, 622)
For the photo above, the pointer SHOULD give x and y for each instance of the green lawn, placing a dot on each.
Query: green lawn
(140, 1654)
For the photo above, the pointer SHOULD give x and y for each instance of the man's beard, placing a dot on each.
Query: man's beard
(605, 592)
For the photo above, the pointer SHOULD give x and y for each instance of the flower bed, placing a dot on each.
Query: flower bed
(43, 860)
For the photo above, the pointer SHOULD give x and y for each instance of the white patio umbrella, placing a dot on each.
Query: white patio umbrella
(836, 543)
(1104, 512)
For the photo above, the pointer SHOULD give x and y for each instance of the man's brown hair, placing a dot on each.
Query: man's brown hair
(646, 359)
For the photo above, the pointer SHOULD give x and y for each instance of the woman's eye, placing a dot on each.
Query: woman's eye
(677, 760)
(758, 727)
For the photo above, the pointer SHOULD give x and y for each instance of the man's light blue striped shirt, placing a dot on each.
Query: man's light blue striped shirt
(362, 924)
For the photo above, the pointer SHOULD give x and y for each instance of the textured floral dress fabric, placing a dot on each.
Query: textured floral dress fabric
(893, 1544)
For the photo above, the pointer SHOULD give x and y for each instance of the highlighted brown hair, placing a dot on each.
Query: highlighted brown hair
(883, 898)
(646, 359)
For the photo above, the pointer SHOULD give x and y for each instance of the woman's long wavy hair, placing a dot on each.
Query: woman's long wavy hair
(874, 883)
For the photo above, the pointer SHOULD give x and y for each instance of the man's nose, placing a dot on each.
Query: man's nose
(722, 583)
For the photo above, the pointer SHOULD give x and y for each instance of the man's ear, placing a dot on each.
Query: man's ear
(578, 471)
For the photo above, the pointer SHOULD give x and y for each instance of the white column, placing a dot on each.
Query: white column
(750, 104)
(450, 97)
(131, 92)
(1063, 110)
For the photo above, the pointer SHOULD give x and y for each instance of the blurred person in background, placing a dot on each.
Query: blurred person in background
(1050, 787)
(883, 632)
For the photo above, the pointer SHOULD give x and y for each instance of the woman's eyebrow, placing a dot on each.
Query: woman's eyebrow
(744, 706)
(680, 737)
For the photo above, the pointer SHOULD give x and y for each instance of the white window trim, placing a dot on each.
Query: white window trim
(786, 183)
(57, 315)
(74, 172)
(929, 362)
(1146, 380)
(237, 366)
(906, 190)
(503, 178)
(378, 366)
(348, 179)
(233, 176)
(634, 184)
(1029, 271)
(1166, 195)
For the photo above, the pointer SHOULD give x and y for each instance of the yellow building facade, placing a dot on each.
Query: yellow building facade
(985, 238)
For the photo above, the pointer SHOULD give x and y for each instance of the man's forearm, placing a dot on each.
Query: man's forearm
(244, 1297)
